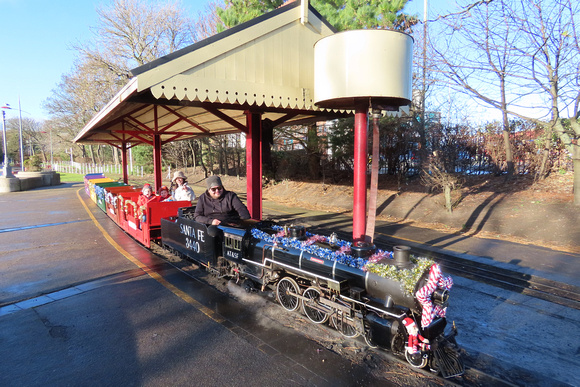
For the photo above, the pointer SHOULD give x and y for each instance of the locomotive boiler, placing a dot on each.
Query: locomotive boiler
(393, 300)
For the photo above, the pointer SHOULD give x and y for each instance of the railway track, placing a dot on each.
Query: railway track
(531, 285)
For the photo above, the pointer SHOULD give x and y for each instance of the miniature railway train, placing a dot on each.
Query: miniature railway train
(395, 301)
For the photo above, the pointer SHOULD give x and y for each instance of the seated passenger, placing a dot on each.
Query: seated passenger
(146, 195)
(216, 205)
(181, 191)
(164, 195)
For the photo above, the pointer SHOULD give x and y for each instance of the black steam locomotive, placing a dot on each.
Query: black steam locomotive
(393, 300)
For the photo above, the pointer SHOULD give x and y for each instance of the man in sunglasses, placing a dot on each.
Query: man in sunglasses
(219, 206)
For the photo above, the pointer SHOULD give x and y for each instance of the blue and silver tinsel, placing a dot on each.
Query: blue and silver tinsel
(308, 246)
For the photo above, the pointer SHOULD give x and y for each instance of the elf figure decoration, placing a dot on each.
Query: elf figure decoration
(416, 341)
(430, 311)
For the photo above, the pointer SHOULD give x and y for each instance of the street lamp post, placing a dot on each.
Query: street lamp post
(20, 123)
(7, 106)
(6, 171)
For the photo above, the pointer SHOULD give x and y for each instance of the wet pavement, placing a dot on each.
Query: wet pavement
(81, 303)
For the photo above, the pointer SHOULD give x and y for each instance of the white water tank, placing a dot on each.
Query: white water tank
(354, 67)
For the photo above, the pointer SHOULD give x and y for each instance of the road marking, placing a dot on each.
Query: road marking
(39, 226)
(151, 272)
(69, 292)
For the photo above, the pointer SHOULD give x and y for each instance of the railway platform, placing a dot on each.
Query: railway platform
(81, 303)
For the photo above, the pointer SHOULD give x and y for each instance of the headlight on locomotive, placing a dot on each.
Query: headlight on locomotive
(440, 297)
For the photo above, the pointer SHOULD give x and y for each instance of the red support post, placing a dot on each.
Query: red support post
(254, 164)
(124, 162)
(157, 173)
(157, 161)
(360, 175)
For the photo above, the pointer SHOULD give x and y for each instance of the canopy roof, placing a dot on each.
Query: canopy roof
(265, 65)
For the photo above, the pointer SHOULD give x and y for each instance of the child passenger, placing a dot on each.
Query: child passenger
(146, 195)
(164, 195)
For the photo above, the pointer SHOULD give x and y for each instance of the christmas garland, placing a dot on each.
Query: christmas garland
(132, 203)
(407, 277)
(341, 252)
(142, 211)
(109, 198)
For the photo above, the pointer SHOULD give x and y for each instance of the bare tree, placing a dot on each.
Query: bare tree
(131, 33)
(535, 47)
(78, 96)
(476, 57)
(552, 53)
(207, 22)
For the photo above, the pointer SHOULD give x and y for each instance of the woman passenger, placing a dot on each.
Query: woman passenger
(181, 191)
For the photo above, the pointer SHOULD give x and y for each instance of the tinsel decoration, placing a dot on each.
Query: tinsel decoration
(407, 277)
(309, 245)
(131, 203)
(341, 253)
(340, 250)
(109, 198)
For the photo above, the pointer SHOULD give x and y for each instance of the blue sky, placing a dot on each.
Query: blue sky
(35, 50)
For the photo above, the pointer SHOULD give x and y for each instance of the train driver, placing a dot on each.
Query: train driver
(217, 205)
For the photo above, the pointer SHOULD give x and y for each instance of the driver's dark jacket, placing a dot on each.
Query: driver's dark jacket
(228, 208)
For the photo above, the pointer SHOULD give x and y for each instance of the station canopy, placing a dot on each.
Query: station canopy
(264, 66)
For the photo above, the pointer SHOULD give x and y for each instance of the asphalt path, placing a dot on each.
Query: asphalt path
(81, 303)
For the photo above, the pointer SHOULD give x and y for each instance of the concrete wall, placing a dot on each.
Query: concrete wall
(29, 180)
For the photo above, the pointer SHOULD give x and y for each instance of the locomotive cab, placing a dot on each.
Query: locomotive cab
(233, 243)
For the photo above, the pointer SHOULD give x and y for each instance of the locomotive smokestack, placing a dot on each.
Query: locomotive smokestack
(401, 255)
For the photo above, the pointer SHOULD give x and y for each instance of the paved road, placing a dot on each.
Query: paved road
(83, 304)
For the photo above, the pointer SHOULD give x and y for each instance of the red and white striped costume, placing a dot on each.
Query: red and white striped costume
(423, 295)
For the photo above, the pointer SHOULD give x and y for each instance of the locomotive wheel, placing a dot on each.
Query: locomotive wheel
(285, 291)
(344, 325)
(310, 307)
(398, 344)
(369, 337)
(417, 360)
(248, 286)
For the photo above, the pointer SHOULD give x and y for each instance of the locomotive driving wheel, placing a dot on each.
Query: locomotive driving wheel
(398, 344)
(312, 308)
(369, 336)
(287, 292)
(417, 359)
(344, 324)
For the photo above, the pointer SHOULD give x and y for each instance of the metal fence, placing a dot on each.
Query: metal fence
(86, 168)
